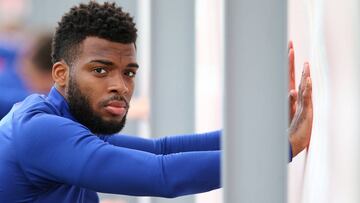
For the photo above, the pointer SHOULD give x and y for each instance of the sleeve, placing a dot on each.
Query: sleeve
(290, 153)
(53, 149)
(170, 144)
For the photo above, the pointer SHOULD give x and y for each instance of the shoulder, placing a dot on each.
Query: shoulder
(43, 126)
(38, 133)
(37, 121)
(35, 103)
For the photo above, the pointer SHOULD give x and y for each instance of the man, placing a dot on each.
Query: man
(61, 148)
(37, 73)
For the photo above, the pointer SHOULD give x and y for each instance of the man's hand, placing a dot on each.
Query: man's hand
(292, 90)
(302, 119)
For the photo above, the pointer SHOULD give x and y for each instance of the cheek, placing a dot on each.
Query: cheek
(131, 86)
(91, 90)
(93, 98)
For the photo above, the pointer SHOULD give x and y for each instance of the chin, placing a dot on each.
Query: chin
(112, 119)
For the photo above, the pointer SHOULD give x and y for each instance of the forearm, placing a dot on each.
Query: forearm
(133, 142)
(193, 142)
(144, 174)
(169, 144)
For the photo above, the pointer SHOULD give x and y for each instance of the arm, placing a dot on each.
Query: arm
(71, 155)
(171, 144)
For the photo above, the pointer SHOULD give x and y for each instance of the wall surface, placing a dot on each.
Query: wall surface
(326, 33)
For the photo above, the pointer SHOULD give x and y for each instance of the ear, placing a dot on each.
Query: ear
(60, 74)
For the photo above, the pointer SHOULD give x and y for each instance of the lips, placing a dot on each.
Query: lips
(117, 108)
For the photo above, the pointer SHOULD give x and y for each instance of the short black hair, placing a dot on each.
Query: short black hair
(107, 21)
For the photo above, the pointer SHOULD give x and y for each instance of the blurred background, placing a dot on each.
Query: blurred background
(177, 106)
(180, 83)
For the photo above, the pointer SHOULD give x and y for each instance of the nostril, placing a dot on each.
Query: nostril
(114, 91)
(122, 91)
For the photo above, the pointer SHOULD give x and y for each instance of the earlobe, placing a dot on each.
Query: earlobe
(60, 72)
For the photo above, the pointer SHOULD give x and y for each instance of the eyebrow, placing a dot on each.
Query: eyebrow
(133, 65)
(110, 63)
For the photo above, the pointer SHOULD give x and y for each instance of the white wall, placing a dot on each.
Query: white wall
(326, 33)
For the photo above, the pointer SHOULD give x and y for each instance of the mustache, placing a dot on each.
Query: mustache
(115, 98)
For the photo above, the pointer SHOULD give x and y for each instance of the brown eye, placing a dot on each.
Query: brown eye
(99, 70)
(131, 74)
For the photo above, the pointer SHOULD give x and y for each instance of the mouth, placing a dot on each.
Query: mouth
(117, 108)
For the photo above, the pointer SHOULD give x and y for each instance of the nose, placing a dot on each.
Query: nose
(118, 85)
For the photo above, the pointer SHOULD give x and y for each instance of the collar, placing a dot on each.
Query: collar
(60, 103)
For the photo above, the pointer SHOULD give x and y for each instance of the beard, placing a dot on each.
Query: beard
(80, 108)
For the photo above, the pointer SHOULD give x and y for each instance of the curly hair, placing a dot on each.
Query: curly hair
(107, 21)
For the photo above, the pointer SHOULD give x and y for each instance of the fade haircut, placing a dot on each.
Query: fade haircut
(107, 21)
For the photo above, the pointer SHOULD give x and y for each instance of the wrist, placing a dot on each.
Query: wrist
(296, 145)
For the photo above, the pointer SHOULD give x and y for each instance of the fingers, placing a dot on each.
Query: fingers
(291, 56)
(308, 93)
(290, 45)
(292, 96)
(292, 99)
(305, 74)
(292, 104)
(305, 87)
(307, 69)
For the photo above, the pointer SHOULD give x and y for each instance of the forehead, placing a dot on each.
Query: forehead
(97, 47)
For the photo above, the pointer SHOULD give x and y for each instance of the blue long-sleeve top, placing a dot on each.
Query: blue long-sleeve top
(47, 156)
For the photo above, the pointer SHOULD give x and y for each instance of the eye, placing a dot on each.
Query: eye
(99, 70)
(130, 73)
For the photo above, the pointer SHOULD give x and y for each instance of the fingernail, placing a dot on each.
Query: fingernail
(306, 64)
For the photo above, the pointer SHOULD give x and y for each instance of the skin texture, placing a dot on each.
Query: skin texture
(300, 106)
(104, 72)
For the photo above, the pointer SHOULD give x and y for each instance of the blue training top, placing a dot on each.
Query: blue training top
(47, 156)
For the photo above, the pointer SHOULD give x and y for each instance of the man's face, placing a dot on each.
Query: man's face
(101, 83)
